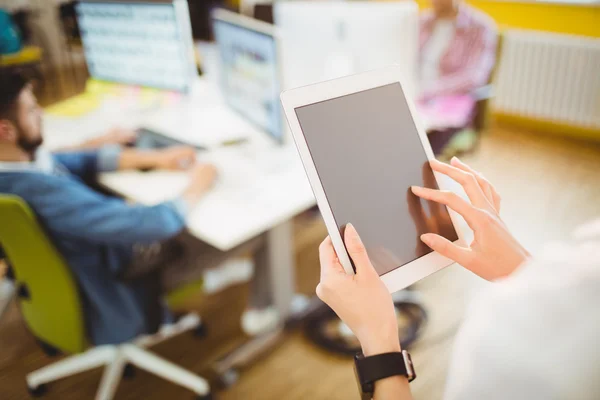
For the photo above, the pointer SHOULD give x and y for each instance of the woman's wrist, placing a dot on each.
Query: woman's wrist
(380, 343)
(372, 349)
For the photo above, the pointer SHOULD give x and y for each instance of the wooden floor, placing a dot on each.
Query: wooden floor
(548, 185)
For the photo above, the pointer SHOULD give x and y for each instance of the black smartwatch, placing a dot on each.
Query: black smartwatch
(371, 369)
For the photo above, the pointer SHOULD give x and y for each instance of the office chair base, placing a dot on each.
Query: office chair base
(116, 359)
(201, 331)
(129, 371)
(227, 379)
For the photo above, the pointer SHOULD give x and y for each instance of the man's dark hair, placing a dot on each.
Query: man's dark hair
(11, 84)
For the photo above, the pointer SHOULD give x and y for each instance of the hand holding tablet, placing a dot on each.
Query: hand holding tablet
(363, 302)
(494, 252)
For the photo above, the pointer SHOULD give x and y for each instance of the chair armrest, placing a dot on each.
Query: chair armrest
(483, 93)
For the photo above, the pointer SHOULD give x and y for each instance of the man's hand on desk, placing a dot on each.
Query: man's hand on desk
(202, 178)
(175, 158)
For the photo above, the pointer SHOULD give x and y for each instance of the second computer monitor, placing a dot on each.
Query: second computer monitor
(327, 39)
(250, 70)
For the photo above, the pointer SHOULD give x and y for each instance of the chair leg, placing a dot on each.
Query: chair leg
(165, 369)
(116, 357)
(189, 322)
(111, 377)
(72, 365)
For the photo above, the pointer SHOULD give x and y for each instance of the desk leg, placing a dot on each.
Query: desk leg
(276, 256)
(281, 265)
(274, 283)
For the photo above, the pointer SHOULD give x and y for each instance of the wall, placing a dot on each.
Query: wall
(545, 16)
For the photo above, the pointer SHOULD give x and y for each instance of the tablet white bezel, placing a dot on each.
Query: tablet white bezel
(413, 271)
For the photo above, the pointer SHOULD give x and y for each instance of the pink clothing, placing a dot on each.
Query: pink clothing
(444, 112)
(467, 63)
(464, 67)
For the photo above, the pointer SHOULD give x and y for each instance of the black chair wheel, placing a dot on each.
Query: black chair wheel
(200, 331)
(48, 349)
(208, 396)
(227, 379)
(322, 328)
(129, 371)
(38, 391)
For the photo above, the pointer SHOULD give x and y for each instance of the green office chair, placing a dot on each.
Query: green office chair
(51, 305)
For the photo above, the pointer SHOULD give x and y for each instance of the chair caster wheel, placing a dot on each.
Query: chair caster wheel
(208, 396)
(200, 331)
(227, 379)
(129, 371)
(37, 391)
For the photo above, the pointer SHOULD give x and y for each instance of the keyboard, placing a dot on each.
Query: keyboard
(151, 140)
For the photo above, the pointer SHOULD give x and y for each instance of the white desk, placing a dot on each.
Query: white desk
(261, 186)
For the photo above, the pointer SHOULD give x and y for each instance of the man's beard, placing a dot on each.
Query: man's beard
(30, 146)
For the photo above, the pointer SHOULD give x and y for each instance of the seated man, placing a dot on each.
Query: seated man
(457, 54)
(103, 239)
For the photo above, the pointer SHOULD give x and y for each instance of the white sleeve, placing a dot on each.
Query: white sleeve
(535, 334)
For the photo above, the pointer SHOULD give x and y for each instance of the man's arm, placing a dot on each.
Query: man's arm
(70, 209)
(118, 136)
(87, 164)
(173, 158)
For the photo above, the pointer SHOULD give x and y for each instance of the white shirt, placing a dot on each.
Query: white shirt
(43, 162)
(107, 161)
(536, 334)
(435, 48)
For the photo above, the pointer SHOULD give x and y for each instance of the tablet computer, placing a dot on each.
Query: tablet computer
(363, 148)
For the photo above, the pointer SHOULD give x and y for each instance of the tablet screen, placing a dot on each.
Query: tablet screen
(367, 153)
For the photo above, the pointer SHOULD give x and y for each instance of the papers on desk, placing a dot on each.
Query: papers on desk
(250, 199)
(148, 188)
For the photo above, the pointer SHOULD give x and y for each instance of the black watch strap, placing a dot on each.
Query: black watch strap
(381, 366)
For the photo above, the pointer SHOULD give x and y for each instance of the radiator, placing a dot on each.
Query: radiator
(550, 76)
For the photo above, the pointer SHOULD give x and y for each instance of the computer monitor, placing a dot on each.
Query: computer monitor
(324, 40)
(147, 43)
(250, 75)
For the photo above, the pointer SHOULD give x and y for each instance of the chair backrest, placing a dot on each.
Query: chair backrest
(483, 112)
(47, 292)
